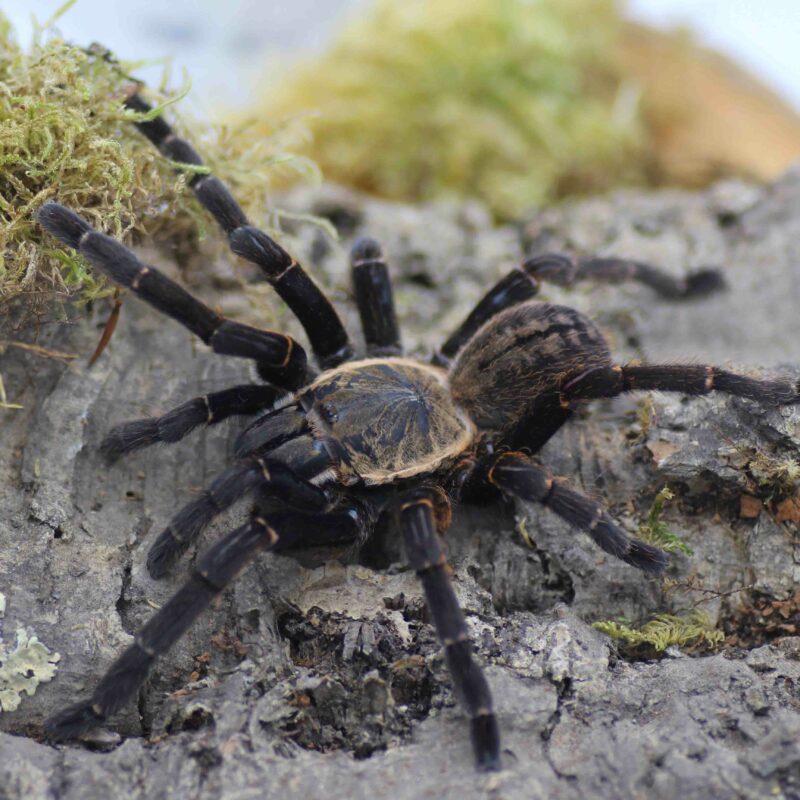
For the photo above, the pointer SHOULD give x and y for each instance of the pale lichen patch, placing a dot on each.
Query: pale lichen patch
(24, 664)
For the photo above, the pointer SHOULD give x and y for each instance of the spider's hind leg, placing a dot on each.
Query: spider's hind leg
(565, 270)
(691, 379)
(522, 284)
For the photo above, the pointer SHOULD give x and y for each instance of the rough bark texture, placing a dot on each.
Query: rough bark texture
(327, 681)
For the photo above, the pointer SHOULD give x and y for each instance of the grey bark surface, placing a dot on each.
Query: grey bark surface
(327, 681)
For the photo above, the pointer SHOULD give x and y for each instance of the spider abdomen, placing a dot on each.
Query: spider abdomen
(390, 418)
(519, 356)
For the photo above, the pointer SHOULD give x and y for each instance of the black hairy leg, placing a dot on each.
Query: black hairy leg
(215, 570)
(270, 477)
(691, 379)
(373, 289)
(418, 522)
(325, 331)
(515, 474)
(522, 283)
(564, 270)
(208, 409)
(279, 359)
(515, 287)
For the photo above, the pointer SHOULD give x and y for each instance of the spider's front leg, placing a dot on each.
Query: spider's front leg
(242, 477)
(220, 565)
(208, 409)
(375, 300)
(280, 360)
(418, 523)
(329, 339)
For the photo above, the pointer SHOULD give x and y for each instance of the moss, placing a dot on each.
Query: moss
(509, 100)
(64, 133)
(654, 531)
(664, 630)
(23, 665)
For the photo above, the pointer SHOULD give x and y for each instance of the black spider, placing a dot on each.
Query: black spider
(329, 451)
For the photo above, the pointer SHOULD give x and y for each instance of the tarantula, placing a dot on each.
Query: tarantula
(328, 452)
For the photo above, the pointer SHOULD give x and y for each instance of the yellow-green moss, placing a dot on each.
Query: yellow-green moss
(654, 531)
(513, 101)
(65, 134)
(665, 630)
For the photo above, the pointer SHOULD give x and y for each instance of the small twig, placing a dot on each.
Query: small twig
(4, 399)
(39, 350)
(108, 330)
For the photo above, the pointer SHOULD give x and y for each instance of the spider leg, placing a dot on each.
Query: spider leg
(373, 289)
(516, 287)
(565, 271)
(271, 430)
(208, 409)
(542, 421)
(424, 553)
(692, 379)
(522, 284)
(243, 476)
(515, 474)
(279, 358)
(215, 570)
(318, 317)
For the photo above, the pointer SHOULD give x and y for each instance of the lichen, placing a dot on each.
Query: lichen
(511, 101)
(23, 665)
(64, 133)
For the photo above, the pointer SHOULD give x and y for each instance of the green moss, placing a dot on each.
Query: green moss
(665, 630)
(65, 134)
(654, 531)
(511, 101)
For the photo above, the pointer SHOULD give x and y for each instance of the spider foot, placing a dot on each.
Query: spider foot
(703, 282)
(485, 736)
(62, 223)
(128, 437)
(164, 553)
(72, 722)
(646, 557)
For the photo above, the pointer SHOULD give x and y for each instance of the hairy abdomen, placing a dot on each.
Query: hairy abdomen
(519, 356)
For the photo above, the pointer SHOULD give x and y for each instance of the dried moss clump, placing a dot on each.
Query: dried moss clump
(512, 101)
(64, 133)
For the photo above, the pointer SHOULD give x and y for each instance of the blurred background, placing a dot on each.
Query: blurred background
(223, 42)
(518, 103)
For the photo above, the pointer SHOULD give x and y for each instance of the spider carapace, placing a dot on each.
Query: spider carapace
(328, 453)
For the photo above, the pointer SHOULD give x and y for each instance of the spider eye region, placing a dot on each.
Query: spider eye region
(392, 418)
